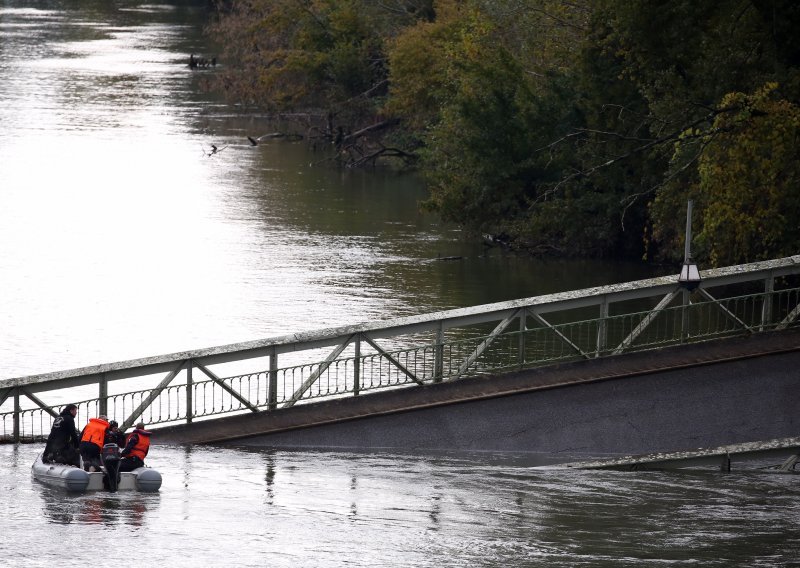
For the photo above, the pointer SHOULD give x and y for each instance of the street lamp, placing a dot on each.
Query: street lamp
(690, 275)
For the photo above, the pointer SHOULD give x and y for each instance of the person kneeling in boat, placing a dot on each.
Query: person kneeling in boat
(136, 449)
(114, 436)
(93, 438)
(62, 442)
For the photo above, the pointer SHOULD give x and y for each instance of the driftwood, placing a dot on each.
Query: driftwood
(371, 128)
(353, 149)
(214, 150)
(380, 153)
(273, 136)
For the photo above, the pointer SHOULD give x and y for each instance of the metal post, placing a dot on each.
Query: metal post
(523, 326)
(685, 316)
(602, 328)
(357, 366)
(438, 362)
(189, 392)
(687, 245)
(17, 412)
(102, 394)
(272, 398)
(766, 305)
(687, 259)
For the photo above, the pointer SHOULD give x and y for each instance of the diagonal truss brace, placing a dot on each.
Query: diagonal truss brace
(210, 374)
(128, 422)
(5, 393)
(560, 335)
(725, 310)
(648, 319)
(316, 374)
(483, 345)
(784, 323)
(392, 360)
(38, 402)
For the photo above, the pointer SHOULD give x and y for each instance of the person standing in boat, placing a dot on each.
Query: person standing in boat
(92, 439)
(62, 442)
(136, 449)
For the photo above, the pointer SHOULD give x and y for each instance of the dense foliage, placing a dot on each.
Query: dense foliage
(571, 128)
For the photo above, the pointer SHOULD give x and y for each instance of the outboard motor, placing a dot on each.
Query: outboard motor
(110, 457)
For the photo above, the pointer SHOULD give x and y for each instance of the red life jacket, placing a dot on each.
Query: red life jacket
(95, 432)
(142, 444)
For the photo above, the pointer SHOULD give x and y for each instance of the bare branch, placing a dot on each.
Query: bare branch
(371, 128)
(652, 143)
(629, 200)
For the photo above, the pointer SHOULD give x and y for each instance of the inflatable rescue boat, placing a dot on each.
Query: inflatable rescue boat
(74, 478)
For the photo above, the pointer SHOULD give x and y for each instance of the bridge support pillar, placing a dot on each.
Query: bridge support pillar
(272, 397)
(357, 366)
(766, 306)
(602, 328)
(685, 316)
(102, 394)
(17, 411)
(189, 392)
(438, 363)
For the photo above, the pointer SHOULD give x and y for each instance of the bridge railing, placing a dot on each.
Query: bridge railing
(426, 349)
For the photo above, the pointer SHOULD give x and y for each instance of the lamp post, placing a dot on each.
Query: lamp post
(690, 275)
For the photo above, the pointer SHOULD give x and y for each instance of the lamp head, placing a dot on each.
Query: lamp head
(690, 275)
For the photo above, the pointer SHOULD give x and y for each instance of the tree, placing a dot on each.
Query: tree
(576, 127)
(685, 58)
(749, 179)
(324, 57)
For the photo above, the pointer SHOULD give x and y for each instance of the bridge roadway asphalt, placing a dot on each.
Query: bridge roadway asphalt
(727, 391)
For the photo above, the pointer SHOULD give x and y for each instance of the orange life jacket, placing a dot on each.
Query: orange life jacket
(95, 432)
(142, 444)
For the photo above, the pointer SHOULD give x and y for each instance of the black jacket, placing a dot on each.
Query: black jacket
(117, 438)
(63, 434)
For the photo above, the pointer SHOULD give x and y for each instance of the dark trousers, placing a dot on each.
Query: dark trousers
(130, 463)
(91, 455)
(67, 455)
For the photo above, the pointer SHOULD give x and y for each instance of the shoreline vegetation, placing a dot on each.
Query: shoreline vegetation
(575, 128)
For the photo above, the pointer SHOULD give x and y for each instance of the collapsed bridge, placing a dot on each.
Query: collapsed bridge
(633, 367)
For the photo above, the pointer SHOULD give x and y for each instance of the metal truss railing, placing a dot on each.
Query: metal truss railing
(445, 346)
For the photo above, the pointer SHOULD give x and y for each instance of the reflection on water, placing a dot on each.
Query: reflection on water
(282, 508)
(97, 507)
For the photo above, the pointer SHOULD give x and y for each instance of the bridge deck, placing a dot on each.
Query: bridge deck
(329, 412)
(784, 448)
(422, 351)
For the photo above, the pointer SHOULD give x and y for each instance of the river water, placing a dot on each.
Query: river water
(125, 235)
(226, 507)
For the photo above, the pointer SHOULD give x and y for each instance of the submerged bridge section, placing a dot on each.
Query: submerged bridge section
(787, 450)
(578, 370)
(721, 392)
